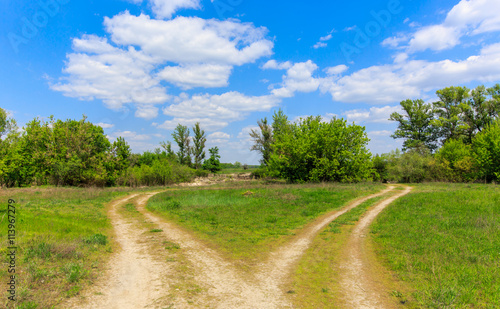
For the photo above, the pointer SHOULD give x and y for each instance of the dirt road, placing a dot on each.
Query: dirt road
(140, 278)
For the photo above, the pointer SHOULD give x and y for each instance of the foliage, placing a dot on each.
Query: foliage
(263, 140)
(409, 167)
(181, 137)
(487, 152)
(313, 150)
(416, 125)
(213, 163)
(198, 149)
(454, 162)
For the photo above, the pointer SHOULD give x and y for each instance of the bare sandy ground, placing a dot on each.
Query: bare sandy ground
(137, 278)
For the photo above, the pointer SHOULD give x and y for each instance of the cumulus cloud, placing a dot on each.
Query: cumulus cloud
(373, 115)
(274, 65)
(131, 66)
(166, 8)
(298, 78)
(411, 79)
(468, 17)
(215, 111)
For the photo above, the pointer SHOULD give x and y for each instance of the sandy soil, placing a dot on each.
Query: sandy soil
(137, 278)
(358, 282)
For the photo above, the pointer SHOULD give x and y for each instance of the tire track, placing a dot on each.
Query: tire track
(357, 283)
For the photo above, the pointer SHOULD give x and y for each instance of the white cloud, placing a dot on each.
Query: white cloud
(207, 124)
(468, 17)
(218, 138)
(130, 68)
(373, 115)
(381, 133)
(437, 37)
(336, 70)
(130, 135)
(320, 45)
(216, 111)
(191, 39)
(326, 38)
(410, 79)
(166, 8)
(298, 79)
(105, 125)
(274, 65)
(219, 135)
(197, 75)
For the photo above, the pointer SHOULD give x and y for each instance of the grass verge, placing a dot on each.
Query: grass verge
(62, 239)
(247, 221)
(443, 240)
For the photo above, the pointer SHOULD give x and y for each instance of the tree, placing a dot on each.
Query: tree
(181, 137)
(449, 110)
(415, 126)
(486, 146)
(199, 145)
(213, 163)
(263, 140)
(313, 150)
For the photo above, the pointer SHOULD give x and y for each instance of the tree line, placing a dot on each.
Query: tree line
(456, 138)
(78, 153)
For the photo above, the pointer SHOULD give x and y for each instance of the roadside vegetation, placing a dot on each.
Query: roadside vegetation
(443, 241)
(247, 221)
(63, 237)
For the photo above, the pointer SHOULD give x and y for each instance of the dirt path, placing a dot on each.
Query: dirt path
(138, 279)
(358, 283)
(133, 279)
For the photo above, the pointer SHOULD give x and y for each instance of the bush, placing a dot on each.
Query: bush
(486, 145)
(454, 162)
(260, 173)
(409, 167)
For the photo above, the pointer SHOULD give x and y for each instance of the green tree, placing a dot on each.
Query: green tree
(449, 110)
(415, 125)
(313, 150)
(213, 163)
(199, 140)
(263, 139)
(181, 137)
(486, 147)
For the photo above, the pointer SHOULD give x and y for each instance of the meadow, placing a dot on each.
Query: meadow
(442, 241)
(247, 221)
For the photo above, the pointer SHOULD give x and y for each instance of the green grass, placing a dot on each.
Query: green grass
(443, 241)
(315, 278)
(62, 235)
(247, 221)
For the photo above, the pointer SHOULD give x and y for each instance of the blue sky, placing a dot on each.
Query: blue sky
(139, 67)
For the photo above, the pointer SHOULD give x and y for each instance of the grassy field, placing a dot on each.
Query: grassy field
(62, 239)
(443, 240)
(247, 221)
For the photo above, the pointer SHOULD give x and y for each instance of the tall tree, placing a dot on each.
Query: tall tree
(181, 137)
(199, 140)
(449, 110)
(415, 125)
(263, 139)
